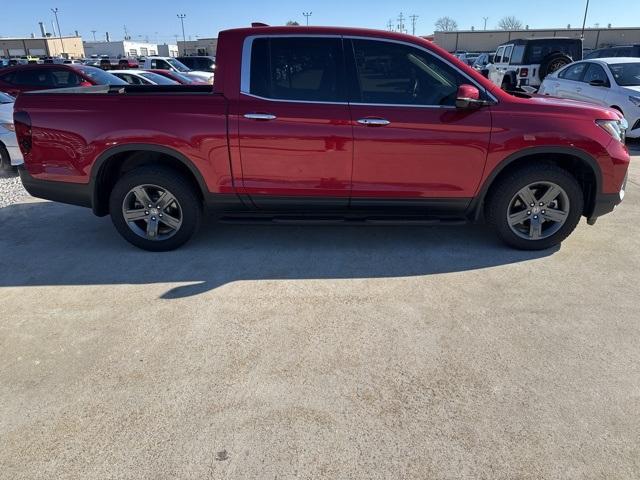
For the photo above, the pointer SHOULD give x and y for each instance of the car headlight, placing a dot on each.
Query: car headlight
(616, 128)
(9, 126)
(635, 101)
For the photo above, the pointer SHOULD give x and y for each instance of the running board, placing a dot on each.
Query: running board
(311, 220)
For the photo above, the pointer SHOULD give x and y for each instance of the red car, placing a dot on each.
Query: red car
(178, 77)
(25, 78)
(308, 124)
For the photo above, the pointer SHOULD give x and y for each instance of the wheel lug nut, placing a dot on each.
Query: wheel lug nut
(150, 206)
(541, 204)
(146, 212)
(160, 215)
(533, 204)
(153, 218)
(543, 212)
(529, 212)
(535, 217)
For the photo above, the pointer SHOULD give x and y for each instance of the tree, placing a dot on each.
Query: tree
(446, 24)
(292, 23)
(510, 23)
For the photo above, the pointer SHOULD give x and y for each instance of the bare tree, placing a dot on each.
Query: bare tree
(446, 24)
(510, 23)
(292, 23)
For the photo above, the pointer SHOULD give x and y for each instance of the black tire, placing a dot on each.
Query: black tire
(5, 162)
(187, 204)
(509, 81)
(553, 63)
(499, 205)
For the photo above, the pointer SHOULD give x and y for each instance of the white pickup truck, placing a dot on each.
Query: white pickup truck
(170, 63)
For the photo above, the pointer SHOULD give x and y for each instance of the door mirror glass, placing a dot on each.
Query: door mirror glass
(467, 95)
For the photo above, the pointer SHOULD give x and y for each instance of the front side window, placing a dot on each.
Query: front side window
(574, 72)
(595, 73)
(65, 78)
(398, 74)
(34, 78)
(498, 57)
(507, 54)
(296, 68)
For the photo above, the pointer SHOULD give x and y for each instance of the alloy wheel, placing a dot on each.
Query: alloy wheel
(152, 212)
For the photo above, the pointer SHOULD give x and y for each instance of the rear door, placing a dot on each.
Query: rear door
(569, 82)
(497, 68)
(296, 139)
(412, 147)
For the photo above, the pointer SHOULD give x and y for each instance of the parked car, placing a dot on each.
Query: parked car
(128, 63)
(483, 60)
(610, 82)
(142, 77)
(10, 155)
(526, 62)
(24, 78)
(618, 51)
(173, 65)
(181, 78)
(199, 63)
(418, 137)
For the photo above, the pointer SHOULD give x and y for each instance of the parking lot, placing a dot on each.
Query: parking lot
(317, 352)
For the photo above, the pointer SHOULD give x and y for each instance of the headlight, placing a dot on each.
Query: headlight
(8, 126)
(616, 128)
(635, 101)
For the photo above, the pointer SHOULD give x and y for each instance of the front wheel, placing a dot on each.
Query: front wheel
(535, 208)
(155, 208)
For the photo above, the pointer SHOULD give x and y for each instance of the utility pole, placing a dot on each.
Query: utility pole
(182, 16)
(94, 34)
(390, 25)
(126, 33)
(55, 12)
(307, 15)
(413, 18)
(485, 22)
(401, 28)
(584, 22)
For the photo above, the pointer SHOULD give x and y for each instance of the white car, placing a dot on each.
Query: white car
(170, 63)
(10, 154)
(610, 82)
(142, 77)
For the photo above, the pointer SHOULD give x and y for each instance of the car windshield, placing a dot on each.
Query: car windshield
(626, 74)
(158, 79)
(6, 98)
(179, 66)
(100, 77)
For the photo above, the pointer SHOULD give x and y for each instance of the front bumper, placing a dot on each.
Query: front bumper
(606, 203)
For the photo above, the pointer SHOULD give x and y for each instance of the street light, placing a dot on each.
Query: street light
(584, 22)
(485, 22)
(55, 12)
(307, 15)
(182, 16)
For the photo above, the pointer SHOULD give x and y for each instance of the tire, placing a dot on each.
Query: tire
(172, 219)
(542, 226)
(553, 63)
(5, 162)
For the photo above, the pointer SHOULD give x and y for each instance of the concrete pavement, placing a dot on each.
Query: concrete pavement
(317, 352)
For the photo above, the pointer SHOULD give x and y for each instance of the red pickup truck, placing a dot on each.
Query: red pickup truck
(319, 124)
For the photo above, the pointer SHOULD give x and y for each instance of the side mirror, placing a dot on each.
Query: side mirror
(467, 95)
(598, 83)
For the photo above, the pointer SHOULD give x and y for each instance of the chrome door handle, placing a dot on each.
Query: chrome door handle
(374, 122)
(259, 116)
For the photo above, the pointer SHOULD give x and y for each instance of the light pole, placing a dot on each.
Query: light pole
(94, 34)
(55, 12)
(485, 22)
(307, 15)
(584, 22)
(182, 16)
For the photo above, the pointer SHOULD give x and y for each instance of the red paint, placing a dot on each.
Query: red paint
(316, 149)
(86, 81)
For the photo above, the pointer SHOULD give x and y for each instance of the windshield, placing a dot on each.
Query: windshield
(158, 79)
(6, 98)
(181, 67)
(100, 77)
(626, 74)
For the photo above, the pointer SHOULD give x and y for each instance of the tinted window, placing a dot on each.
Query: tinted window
(392, 73)
(595, 73)
(626, 74)
(498, 56)
(66, 78)
(517, 57)
(34, 77)
(306, 69)
(574, 72)
(538, 50)
(507, 54)
(100, 77)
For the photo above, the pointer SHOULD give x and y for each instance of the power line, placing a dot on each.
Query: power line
(307, 15)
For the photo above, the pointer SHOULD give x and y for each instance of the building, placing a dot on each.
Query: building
(200, 46)
(120, 48)
(46, 46)
(488, 40)
(168, 50)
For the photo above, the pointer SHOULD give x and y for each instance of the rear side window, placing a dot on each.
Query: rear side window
(34, 77)
(574, 72)
(303, 69)
(538, 50)
(517, 57)
(397, 74)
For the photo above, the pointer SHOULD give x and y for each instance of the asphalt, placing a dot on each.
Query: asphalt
(280, 352)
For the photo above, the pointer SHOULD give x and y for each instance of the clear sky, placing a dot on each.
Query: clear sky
(157, 19)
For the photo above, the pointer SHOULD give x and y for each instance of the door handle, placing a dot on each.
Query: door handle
(374, 122)
(260, 116)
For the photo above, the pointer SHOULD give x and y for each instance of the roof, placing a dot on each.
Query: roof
(613, 60)
(521, 41)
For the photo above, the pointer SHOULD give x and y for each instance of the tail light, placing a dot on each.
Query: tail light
(524, 72)
(22, 123)
(85, 83)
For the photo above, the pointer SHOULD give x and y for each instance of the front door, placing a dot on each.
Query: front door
(296, 143)
(412, 145)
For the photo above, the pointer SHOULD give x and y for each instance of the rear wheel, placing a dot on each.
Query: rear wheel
(155, 208)
(535, 207)
(553, 63)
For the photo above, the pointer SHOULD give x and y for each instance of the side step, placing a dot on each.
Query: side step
(313, 220)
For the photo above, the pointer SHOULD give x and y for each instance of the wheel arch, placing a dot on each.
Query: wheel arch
(577, 162)
(114, 162)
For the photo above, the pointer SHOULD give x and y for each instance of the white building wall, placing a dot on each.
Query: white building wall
(123, 48)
